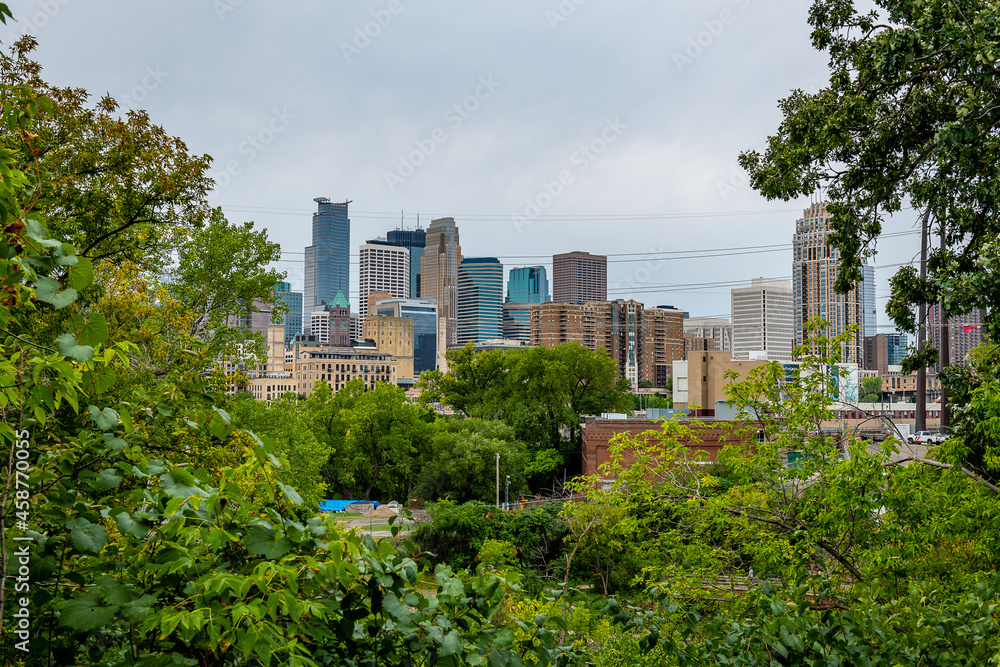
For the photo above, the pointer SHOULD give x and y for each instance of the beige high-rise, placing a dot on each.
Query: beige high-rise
(439, 280)
(814, 271)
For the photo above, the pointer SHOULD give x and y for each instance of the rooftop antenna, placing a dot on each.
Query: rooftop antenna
(401, 223)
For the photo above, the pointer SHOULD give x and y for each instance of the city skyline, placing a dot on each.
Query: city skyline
(610, 160)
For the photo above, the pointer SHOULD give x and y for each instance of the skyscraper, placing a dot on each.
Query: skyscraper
(425, 325)
(293, 318)
(382, 267)
(327, 262)
(579, 277)
(439, 280)
(815, 265)
(718, 329)
(480, 299)
(869, 311)
(762, 320)
(525, 285)
(413, 240)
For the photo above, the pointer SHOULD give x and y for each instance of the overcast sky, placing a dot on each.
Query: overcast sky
(541, 126)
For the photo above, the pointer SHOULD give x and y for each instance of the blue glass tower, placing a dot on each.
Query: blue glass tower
(869, 312)
(480, 299)
(415, 241)
(528, 284)
(327, 267)
(293, 318)
(424, 315)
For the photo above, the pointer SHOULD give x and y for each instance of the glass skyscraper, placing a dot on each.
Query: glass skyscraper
(528, 284)
(413, 240)
(424, 314)
(293, 318)
(525, 285)
(327, 267)
(480, 299)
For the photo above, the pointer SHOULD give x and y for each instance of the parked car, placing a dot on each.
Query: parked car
(923, 437)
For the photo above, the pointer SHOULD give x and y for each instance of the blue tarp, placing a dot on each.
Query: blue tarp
(341, 505)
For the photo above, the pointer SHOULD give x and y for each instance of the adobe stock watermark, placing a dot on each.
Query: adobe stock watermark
(252, 146)
(737, 179)
(224, 7)
(454, 117)
(17, 568)
(364, 34)
(704, 39)
(641, 274)
(562, 12)
(581, 159)
(152, 79)
(32, 23)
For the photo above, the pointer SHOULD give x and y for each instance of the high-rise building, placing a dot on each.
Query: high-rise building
(762, 320)
(439, 281)
(423, 312)
(619, 327)
(897, 344)
(525, 285)
(716, 328)
(327, 260)
(413, 240)
(964, 332)
(815, 266)
(663, 344)
(292, 318)
(382, 267)
(869, 310)
(579, 277)
(556, 323)
(480, 299)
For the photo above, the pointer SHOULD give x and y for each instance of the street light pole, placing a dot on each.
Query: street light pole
(498, 479)
(506, 494)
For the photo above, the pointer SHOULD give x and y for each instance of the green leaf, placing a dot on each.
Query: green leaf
(47, 290)
(451, 644)
(86, 613)
(68, 348)
(266, 542)
(81, 275)
(105, 419)
(107, 480)
(290, 493)
(87, 537)
(113, 443)
(127, 524)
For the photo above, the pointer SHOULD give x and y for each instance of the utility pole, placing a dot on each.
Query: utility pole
(498, 479)
(944, 352)
(921, 397)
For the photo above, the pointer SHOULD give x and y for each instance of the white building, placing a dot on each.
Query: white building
(763, 322)
(384, 267)
(716, 328)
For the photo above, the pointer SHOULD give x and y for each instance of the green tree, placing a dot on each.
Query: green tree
(907, 120)
(459, 461)
(871, 389)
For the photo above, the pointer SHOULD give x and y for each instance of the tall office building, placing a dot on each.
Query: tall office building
(663, 344)
(330, 322)
(480, 299)
(815, 265)
(423, 312)
(964, 332)
(869, 310)
(763, 325)
(292, 318)
(718, 329)
(382, 267)
(525, 285)
(556, 323)
(413, 240)
(579, 277)
(327, 262)
(897, 344)
(439, 280)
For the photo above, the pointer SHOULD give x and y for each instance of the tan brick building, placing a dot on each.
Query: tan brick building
(393, 335)
(701, 379)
